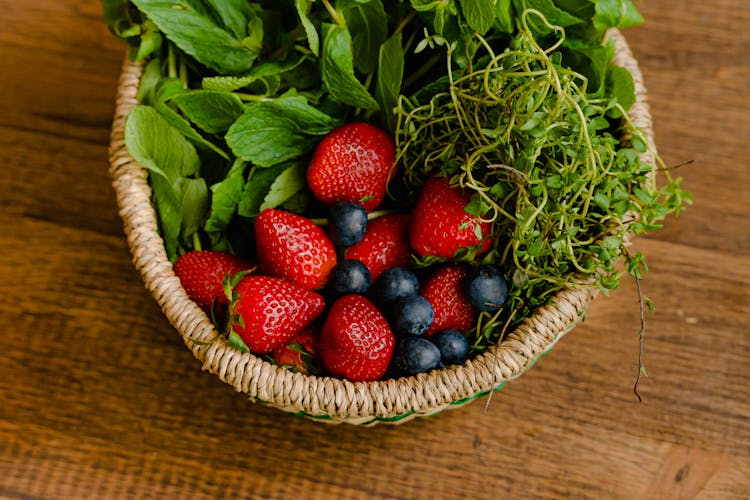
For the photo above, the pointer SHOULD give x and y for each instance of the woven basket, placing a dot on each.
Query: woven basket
(328, 399)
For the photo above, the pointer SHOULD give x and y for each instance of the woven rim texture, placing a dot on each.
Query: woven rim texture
(323, 398)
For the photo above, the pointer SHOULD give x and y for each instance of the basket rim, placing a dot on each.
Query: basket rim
(325, 398)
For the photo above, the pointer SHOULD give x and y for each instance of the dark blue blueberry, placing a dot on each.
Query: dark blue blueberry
(415, 355)
(349, 276)
(395, 284)
(453, 346)
(346, 223)
(412, 316)
(485, 288)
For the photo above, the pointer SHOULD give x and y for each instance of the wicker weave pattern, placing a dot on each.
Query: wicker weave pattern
(322, 398)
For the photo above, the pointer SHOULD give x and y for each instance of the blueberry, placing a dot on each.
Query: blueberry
(415, 355)
(453, 347)
(349, 276)
(395, 284)
(346, 223)
(485, 288)
(412, 316)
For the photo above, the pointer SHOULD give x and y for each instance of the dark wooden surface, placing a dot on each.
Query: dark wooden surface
(100, 398)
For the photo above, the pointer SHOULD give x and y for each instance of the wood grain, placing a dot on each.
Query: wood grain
(102, 400)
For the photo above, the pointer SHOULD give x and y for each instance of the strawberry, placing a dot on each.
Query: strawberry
(268, 312)
(385, 244)
(444, 291)
(356, 342)
(202, 272)
(440, 225)
(300, 354)
(292, 247)
(353, 162)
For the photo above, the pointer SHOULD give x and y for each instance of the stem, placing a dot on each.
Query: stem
(641, 339)
(172, 62)
(196, 241)
(404, 22)
(252, 97)
(334, 14)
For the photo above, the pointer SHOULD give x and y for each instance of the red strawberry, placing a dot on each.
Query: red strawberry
(444, 291)
(292, 247)
(268, 312)
(202, 272)
(356, 342)
(440, 225)
(300, 353)
(353, 162)
(385, 244)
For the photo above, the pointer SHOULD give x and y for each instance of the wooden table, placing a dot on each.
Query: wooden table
(101, 399)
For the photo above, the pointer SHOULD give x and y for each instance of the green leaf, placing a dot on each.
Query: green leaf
(619, 84)
(390, 76)
(278, 130)
(553, 14)
(504, 20)
(167, 203)
(266, 69)
(480, 14)
(368, 25)
(337, 69)
(236, 341)
(234, 15)
(150, 42)
(193, 206)
(198, 35)
(212, 111)
(303, 10)
(286, 185)
(225, 198)
(183, 127)
(149, 82)
(615, 14)
(256, 189)
(156, 145)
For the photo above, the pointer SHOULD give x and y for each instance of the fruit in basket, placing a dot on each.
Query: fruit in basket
(384, 245)
(292, 247)
(267, 312)
(394, 284)
(349, 276)
(486, 288)
(347, 222)
(301, 353)
(412, 315)
(356, 342)
(354, 162)
(415, 355)
(453, 347)
(202, 272)
(444, 290)
(441, 226)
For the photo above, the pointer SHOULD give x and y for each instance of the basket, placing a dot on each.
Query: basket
(328, 399)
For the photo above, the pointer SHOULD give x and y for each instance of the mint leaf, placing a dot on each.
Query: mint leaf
(211, 111)
(286, 185)
(337, 69)
(183, 127)
(615, 14)
(234, 15)
(390, 76)
(278, 130)
(303, 10)
(194, 205)
(619, 84)
(368, 25)
(256, 189)
(480, 14)
(504, 20)
(225, 198)
(157, 146)
(198, 35)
